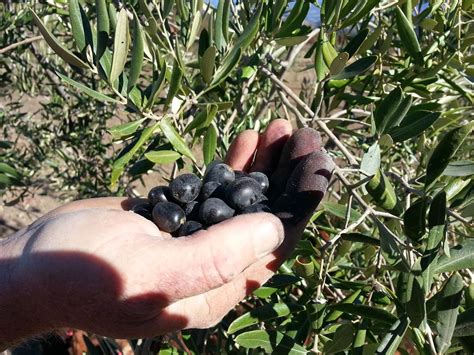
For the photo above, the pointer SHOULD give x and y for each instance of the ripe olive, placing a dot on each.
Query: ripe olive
(211, 189)
(192, 210)
(214, 210)
(240, 174)
(143, 209)
(159, 194)
(262, 179)
(185, 188)
(243, 192)
(168, 216)
(189, 228)
(213, 164)
(222, 173)
(255, 208)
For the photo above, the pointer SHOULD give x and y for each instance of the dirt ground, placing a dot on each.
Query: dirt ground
(17, 213)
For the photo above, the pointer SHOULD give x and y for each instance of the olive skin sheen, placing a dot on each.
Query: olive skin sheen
(168, 216)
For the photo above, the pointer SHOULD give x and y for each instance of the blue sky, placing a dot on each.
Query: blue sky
(312, 18)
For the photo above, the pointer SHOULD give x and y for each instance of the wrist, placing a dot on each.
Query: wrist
(20, 303)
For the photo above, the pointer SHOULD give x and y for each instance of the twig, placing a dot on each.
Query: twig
(289, 62)
(304, 120)
(429, 333)
(285, 109)
(245, 90)
(344, 120)
(349, 228)
(336, 296)
(352, 170)
(366, 179)
(378, 265)
(292, 108)
(385, 214)
(386, 6)
(355, 110)
(20, 43)
(348, 211)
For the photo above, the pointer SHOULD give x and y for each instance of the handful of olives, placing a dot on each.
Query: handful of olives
(188, 204)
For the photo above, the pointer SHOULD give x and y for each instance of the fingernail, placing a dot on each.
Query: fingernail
(268, 236)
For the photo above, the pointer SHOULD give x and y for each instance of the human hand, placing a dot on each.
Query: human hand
(94, 265)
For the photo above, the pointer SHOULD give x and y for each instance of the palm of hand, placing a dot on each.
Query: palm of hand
(117, 275)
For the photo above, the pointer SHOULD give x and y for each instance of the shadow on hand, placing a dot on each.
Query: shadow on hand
(79, 290)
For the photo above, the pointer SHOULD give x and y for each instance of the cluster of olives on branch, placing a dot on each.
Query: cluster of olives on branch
(188, 204)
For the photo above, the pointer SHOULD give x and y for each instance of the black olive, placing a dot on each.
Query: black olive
(243, 192)
(185, 188)
(221, 173)
(168, 216)
(214, 210)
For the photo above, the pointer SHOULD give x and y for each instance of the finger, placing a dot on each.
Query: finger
(242, 150)
(270, 146)
(303, 142)
(304, 191)
(212, 258)
(207, 309)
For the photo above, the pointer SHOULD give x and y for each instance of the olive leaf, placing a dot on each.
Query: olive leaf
(394, 337)
(271, 341)
(295, 19)
(76, 24)
(358, 67)
(137, 53)
(207, 64)
(338, 63)
(121, 45)
(222, 23)
(175, 139)
(103, 27)
(413, 125)
(264, 313)
(129, 152)
(414, 219)
(461, 257)
(81, 87)
(210, 144)
(162, 156)
(445, 151)
(125, 129)
(353, 46)
(64, 53)
(447, 305)
(362, 9)
(408, 36)
(383, 193)
(369, 312)
(175, 82)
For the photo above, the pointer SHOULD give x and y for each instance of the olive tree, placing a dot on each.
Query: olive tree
(384, 264)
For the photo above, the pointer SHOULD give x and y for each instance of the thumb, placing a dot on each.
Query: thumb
(213, 257)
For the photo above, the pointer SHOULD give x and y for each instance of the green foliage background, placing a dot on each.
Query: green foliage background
(386, 262)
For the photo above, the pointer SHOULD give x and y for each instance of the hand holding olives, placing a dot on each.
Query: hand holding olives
(275, 173)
